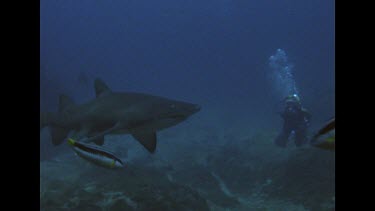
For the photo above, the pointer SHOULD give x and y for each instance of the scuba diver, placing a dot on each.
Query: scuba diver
(296, 119)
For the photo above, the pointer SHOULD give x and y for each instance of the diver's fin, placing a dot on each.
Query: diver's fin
(327, 144)
(99, 141)
(330, 125)
(64, 102)
(147, 139)
(58, 135)
(101, 88)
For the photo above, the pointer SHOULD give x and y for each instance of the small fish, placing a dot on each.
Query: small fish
(96, 155)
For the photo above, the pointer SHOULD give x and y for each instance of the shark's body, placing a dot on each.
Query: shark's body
(141, 115)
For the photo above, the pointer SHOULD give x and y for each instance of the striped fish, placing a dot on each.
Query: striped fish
(95, 154)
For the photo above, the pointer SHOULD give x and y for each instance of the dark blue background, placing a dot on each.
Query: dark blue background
(211, 52)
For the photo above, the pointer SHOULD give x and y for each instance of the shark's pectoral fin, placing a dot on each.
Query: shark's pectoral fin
(147, 139)
(58, 135)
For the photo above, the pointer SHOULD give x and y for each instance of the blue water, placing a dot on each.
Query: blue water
(215, 53)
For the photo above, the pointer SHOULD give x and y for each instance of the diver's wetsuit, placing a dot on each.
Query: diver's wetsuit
(296, 119)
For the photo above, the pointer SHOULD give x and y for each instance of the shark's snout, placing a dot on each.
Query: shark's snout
(182, 110)
(196, 108)
(191, 109)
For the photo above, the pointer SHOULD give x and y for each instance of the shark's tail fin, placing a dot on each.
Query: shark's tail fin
(57, 134)
(45, 119)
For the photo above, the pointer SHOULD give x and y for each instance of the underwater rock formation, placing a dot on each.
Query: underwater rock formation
(239, 173)
(255, 167)
(139, 189)
(308, 177)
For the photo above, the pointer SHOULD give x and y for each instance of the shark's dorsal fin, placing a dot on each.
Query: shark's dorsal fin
(101, 88)
(64, 102)
(147, 139)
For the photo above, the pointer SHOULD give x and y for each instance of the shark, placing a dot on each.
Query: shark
(138, 114)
